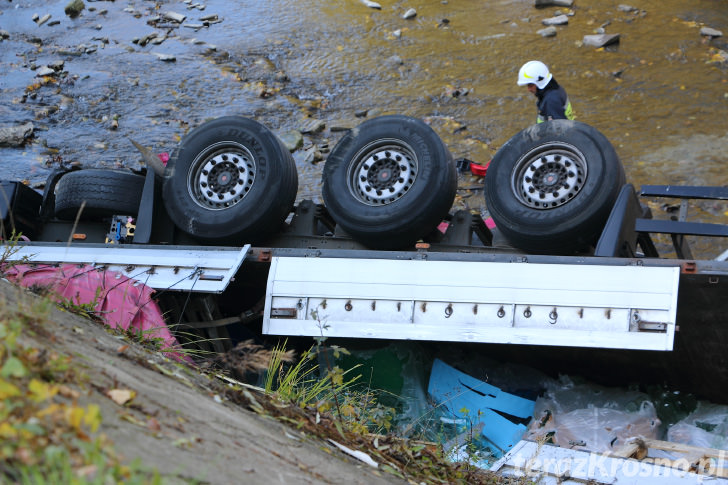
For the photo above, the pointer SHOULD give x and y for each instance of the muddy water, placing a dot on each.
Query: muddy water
(659, 96)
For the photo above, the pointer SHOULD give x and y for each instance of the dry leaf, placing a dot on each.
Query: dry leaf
(66, 391)
(121, 396)
(153, 425)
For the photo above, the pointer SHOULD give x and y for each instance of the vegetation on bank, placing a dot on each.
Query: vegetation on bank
(52, 432)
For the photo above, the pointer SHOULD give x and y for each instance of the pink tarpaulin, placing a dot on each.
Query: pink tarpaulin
(119, 301)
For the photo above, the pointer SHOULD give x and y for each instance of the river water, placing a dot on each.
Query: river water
(660, 95)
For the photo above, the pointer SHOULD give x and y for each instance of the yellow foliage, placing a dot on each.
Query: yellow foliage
(7, 431)
(8, 390)
(50, 410)
(41, 391)
(74, 416)
(92, 419)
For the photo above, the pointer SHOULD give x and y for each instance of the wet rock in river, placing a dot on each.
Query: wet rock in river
(292, 140)
(174, 17)
(74, 8)
(410, 14)
(15, 135)
(371, 4)
(312, 155)
(558, 20)
(553, 3)
(547, 32)
(313, 126)
(43, 19)
(709, 32)
(44, 71)
(627, 8)
(165, 57)
(146, 39)
(394, 60)
(601, 40)
(4, 34)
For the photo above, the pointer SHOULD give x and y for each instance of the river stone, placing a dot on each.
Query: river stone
(174, 17)
(313, 126)
(558, 20)
(74, 8)
(44, 71)
(4, 34)
(601, 40)
(708, 32)
(627, 8)
(312, 156)
(44, 19)
(410, 14)
(15, 135)
(165, 57)
(371, 4)
(554, 3)
(292, 140)
(547, 32)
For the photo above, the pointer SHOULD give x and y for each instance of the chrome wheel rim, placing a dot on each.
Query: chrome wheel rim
(549, 176)
(222, 175)
(382, 172)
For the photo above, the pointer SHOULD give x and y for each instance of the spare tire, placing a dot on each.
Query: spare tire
(101, 192)
(551, 187)
(230, 180)
(389, 181)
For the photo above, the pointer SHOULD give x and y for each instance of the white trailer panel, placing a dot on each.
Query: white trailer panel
(622, 307)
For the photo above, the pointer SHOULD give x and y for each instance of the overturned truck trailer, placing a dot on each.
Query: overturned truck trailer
(570, 277)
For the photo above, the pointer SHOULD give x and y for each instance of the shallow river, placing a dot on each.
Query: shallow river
(660, 95)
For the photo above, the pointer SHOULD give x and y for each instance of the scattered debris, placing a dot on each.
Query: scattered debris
(470, 401)
(359, 455)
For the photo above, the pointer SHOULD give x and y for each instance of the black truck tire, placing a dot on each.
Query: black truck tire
(389, 182)
(551, 187)
(230, 180)
(101, 192)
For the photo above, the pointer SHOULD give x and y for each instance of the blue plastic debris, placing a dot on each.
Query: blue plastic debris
(503, 416)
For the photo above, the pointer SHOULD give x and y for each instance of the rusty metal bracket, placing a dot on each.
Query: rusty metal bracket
(689, 267)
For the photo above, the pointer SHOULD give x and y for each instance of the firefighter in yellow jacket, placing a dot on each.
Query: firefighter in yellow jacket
(553, 103)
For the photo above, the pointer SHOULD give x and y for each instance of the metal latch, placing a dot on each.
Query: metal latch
(283, 313)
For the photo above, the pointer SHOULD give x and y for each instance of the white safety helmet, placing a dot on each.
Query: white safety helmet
(534, 72)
